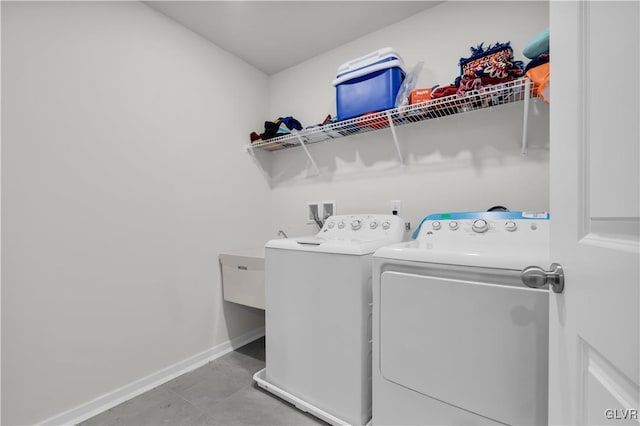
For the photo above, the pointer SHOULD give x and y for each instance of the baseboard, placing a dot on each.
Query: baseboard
(111, 399)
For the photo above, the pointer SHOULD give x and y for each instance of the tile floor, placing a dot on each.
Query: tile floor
(221, 392)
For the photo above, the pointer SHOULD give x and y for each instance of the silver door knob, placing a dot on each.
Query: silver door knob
(536, 277)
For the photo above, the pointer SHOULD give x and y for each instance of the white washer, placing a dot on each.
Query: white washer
(458, 338)
(318, 316)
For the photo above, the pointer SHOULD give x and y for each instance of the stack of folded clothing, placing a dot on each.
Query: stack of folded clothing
(537, 70)
(487, 66)
(279, 127)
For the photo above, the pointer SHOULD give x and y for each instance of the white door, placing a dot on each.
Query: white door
(594, 336)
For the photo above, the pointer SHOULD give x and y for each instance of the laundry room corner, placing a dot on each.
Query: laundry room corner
(464, 162)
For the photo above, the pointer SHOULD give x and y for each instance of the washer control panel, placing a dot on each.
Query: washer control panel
(362, 226)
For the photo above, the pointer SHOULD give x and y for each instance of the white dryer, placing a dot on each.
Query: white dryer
(458, 338)
(318, 316)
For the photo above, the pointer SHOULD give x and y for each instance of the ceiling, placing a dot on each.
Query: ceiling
(275, 35)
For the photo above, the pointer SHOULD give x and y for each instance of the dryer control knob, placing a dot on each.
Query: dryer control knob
(341, 224)
(510, 226)
(480, 226)
(386, 224)
(373, 225)
(453, 225)
(436, 225)
(330, 225)
(356, 224)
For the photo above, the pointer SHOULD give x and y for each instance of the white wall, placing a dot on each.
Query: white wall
(123, 177)
(460, 163)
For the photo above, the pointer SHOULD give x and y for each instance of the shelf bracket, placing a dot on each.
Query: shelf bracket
(395, 137)
(302, 144)
(525, 118)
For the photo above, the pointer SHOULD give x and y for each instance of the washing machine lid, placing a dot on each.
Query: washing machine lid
(502, 240)
(358, 234)
(320, 245)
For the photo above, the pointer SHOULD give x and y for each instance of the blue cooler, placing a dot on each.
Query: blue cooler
(369, 83)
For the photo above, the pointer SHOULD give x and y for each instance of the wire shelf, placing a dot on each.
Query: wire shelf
(485, 97)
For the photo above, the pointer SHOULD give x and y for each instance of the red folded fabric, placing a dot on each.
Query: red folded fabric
(443, 91)
(467, 84)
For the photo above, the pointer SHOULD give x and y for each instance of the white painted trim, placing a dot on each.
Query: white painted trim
(117, 396)
(0, 219)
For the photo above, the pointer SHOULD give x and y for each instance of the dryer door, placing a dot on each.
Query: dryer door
(479, 346)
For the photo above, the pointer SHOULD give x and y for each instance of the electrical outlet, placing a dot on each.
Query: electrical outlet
(313, 210)
(395, 207)
(328, 209)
